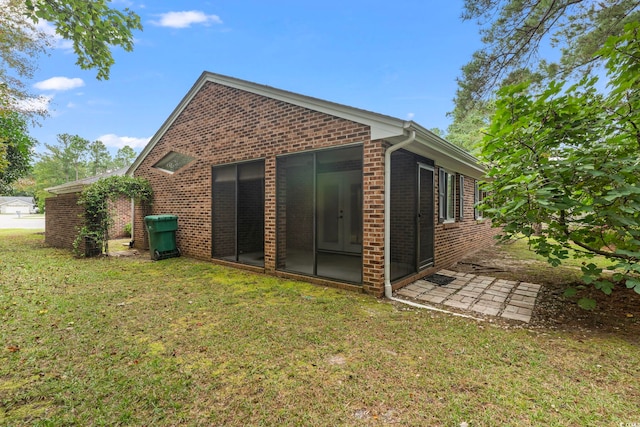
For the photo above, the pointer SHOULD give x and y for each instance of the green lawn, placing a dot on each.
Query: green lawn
(520, 249)
(183, 342)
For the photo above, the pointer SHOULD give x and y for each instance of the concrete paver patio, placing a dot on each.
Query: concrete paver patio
(490, 296)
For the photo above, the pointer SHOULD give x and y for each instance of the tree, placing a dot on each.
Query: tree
(99, 158)
(92, 26)
(124, 157)
(515, 31)
(569, 159)
(20, 43)
(15, 148)
(71, 155)
(467, 132)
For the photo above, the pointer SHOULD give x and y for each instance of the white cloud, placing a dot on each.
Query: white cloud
(186, 18)
(113, 140)
(410, 116)
(59, 83)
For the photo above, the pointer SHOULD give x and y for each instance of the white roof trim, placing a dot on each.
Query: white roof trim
(444, 153)
(14, 202)
(75, 188)
(381, 126)
(79, 185)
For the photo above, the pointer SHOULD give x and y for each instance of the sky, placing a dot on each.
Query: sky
(399, 58)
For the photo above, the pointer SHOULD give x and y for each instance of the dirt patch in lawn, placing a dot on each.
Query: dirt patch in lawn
(618, 313)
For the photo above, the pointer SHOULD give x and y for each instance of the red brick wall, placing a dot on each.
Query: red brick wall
(457, 239)
(121, 215)
(454, 240)
(225, 125)
(373, 218)
(64, 217)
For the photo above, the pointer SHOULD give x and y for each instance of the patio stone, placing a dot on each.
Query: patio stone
(457, 304)
(521, 304)
(432, 298)
(525, 293)
(516, 316)
(485, 309)
(481, 294)
(503, 289)
(529, 286)
(495, 293)
(442, 292)
(469, 293)
(409, 293)
(411, 286)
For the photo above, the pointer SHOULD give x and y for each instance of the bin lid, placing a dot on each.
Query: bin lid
(159, 218)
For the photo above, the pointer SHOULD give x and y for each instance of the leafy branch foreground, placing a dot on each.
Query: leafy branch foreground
(181, 342)
(565, 167)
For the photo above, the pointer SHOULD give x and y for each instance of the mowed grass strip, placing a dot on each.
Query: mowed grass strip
(128, 341)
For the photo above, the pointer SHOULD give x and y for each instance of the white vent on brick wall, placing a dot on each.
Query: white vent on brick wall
(173, 161)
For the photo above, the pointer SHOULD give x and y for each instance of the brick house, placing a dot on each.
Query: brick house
(286, 184)
(64, 217)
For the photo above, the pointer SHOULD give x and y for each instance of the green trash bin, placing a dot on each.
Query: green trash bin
(162, 236)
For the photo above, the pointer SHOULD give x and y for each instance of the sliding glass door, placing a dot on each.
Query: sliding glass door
(238, 212)
(319, 213)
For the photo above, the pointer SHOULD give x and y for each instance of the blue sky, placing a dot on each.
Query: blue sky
(399, 58)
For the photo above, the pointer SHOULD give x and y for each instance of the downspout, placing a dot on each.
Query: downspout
(388, 290)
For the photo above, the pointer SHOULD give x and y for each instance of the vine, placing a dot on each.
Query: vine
(97, 215)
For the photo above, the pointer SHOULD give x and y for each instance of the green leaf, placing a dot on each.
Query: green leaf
(633, 283)
(587, 303)
(570, 292)
(605, 286)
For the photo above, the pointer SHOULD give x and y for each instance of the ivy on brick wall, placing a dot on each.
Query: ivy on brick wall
(97, 215)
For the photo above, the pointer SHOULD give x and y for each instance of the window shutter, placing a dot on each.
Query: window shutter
(476, 199)
(461, 202)
(442, 183)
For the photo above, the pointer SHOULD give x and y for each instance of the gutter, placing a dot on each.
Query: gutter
(388, 290)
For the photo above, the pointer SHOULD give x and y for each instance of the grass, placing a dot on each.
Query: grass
(520, 249)
(183, 342)
(532, 267)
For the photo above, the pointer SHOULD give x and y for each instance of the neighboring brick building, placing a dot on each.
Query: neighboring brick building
(294, 186)
(64, 217)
